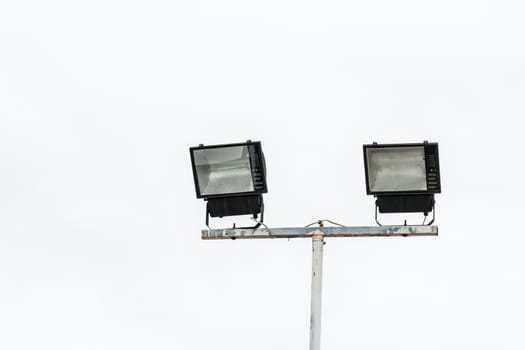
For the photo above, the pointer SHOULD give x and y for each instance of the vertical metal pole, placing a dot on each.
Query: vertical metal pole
(317, 284)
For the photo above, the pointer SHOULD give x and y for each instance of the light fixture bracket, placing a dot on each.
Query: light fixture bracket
(235, 205)
(424, 206)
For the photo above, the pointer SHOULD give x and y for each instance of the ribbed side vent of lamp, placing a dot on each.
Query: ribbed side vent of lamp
(257, 163)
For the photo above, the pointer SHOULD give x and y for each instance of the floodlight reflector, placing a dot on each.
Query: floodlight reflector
(396, 169)
(223, 170)
(226, 170)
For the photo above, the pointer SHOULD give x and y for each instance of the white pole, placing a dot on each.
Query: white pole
(317, 284)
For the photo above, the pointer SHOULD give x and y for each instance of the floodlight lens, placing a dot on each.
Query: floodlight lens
(223, 170)
(396, 169)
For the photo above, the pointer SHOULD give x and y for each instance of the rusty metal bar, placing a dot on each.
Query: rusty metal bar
(308, 232)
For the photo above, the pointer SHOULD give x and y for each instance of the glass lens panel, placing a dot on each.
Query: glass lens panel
(396, 169)
(223, 170)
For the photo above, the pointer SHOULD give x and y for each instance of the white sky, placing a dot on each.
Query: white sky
(99, 225)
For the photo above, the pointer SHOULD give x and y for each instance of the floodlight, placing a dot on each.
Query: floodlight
(403, 177)
(230, 177)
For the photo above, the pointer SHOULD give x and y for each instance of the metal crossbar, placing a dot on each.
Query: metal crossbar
(308, 232)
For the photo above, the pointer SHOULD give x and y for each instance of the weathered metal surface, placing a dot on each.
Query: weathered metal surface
(306, 232)
(317, 286)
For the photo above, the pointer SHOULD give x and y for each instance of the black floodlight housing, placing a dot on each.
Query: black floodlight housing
(403, 177)
(231, 178)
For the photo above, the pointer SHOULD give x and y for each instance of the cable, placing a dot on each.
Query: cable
(313, 223)
(320, 223)
(377, 221)
(334, 223)
(259, 223)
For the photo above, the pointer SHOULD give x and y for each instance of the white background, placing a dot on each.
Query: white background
(99, 225)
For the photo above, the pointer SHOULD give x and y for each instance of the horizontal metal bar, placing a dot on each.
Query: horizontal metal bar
(308, 232)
